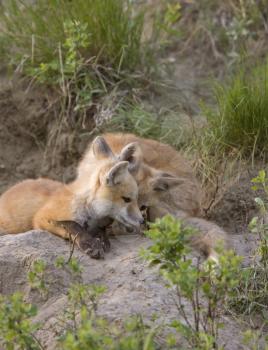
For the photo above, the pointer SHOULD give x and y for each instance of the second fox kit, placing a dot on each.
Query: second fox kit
(110, 193)
(166, 183)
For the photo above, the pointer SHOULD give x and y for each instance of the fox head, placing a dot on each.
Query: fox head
(165, 193)
(113, 190)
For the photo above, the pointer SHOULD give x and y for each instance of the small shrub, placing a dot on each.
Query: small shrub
(206, 288)
(254, 340)
(78, 326)
(98, 334)
(36, 277)
(16, 329)
(251, 296)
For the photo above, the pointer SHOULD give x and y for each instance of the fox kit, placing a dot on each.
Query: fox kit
(110, 193)
(166, 183)
(166, 180)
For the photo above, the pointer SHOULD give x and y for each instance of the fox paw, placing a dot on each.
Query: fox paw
(93, 247)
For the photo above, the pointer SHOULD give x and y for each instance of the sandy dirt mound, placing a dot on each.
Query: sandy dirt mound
(132, 287)
(28, 115)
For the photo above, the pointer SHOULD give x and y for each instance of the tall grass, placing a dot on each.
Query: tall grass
(241, 119)
(90, 51)
(36, 30)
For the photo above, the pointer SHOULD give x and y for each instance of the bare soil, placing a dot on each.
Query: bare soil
(133, 288)
(26, 122)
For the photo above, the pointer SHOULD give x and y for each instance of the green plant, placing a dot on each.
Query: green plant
(16, 329)
(81, 328)
(223, 28)
(136, 120)
(166, 127)
(166, 20)
(98, 334)
(36, 277)
(241, 119)
(110, 30)
(252, 292)
(90, 52)
(78, 327)
(254, 340)
(40, 280)
(204, 288)
(259, 223)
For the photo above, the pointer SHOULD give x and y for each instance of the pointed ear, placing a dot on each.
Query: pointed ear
(116, 174)
(132, 154)
(101, 149)
(165, 182)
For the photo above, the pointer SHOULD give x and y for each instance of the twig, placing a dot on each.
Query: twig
(206, 210)
(213, 201)
(37, 341)
(180, 307)
(72, 248)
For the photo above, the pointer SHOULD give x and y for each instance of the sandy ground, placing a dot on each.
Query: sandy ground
(133, 288)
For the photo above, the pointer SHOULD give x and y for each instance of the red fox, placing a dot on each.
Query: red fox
(166, 180)
(110, 193)
(166, 183)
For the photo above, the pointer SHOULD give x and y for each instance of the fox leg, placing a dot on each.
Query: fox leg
(67, 229)
(43, 222)
(207, 238)
(93, 245)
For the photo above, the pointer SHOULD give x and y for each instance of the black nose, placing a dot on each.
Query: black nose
(142, 221)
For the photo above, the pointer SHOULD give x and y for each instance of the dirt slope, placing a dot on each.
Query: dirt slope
(132, 287)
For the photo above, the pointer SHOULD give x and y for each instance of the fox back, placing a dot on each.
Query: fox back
(19, 204)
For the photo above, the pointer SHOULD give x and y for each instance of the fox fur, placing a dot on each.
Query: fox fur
(110, 193)
(167, 185)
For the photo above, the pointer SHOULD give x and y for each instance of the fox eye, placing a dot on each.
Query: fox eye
(126, 199)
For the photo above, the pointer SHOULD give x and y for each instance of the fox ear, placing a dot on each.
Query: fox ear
(116, 174)
(165, 182)
(132, 154)
(101, 149)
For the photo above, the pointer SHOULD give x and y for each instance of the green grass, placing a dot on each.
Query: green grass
(90, 52)
(169, 127)
(251, 296)
(84, 48)
(36, 31)
(240, 121)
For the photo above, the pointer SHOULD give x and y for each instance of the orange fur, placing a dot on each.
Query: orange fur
(19, 204)
(43, 203)
(56, 208)
(156, 158)
(167, 185)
